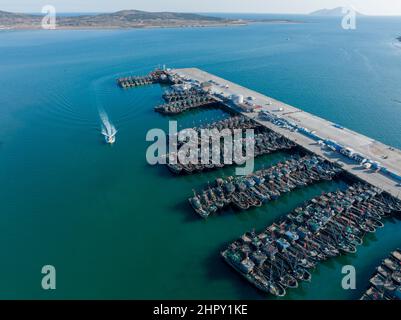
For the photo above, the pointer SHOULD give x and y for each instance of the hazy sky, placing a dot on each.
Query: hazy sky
(373, 7)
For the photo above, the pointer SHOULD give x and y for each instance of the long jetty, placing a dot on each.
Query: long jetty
(362, 157)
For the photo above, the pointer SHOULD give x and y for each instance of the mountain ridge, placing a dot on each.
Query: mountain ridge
(334, 12)
(119, 19)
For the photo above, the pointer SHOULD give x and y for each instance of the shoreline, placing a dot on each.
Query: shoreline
(105, 27)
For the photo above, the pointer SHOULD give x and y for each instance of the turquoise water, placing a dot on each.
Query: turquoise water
(115, 227)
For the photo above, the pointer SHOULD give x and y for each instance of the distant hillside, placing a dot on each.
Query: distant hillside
(132, 15)
(335, 12)
(120, 19)
(5, 16)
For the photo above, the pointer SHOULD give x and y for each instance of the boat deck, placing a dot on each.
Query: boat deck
(387, 156)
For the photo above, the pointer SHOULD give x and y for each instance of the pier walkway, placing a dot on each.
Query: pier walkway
(388, 157)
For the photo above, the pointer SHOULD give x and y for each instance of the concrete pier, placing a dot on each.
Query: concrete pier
(388, 157)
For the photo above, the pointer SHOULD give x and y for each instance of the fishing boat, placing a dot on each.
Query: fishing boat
(373, 294)
(175, 168)
(197, 206)
(396, 277)
(381, 283)
(239, 201)
(246, 268)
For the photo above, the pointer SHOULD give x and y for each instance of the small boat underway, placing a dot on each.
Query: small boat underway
(110, 139)
(108, 129)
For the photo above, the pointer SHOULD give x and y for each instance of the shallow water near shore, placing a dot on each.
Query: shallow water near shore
(116, 227)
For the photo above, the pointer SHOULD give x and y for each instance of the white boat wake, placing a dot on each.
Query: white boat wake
(108, 129)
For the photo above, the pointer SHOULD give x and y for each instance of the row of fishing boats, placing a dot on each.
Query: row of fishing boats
(334, 223)
(177, 95)
(221, 128)
(386, 282)
(192, 102)
(285, 253)
(244, 192)
(211, 155)
(157, 76)
(233, 122)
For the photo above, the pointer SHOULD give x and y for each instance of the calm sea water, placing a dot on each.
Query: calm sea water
(115, 227)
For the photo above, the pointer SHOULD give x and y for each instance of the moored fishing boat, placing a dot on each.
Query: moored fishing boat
(175, 168)
(197, 206)
(246, 269)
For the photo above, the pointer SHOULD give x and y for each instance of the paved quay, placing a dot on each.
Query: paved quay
(388, 157)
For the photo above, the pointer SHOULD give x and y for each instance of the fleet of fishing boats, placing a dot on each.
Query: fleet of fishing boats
(233, 122)
(191, 102)
(334, 223)
(157, 76)
(282, 255)
(262, 186)
(218, 154)
(176, 95)
(386, 282)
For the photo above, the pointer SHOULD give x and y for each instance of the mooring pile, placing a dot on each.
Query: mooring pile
(262, 186)
(386, 282)
(157, 76)
(325, 227)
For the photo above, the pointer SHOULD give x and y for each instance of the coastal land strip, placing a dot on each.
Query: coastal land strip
(126, 19)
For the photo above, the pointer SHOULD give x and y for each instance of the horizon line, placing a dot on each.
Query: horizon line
(205, 12)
